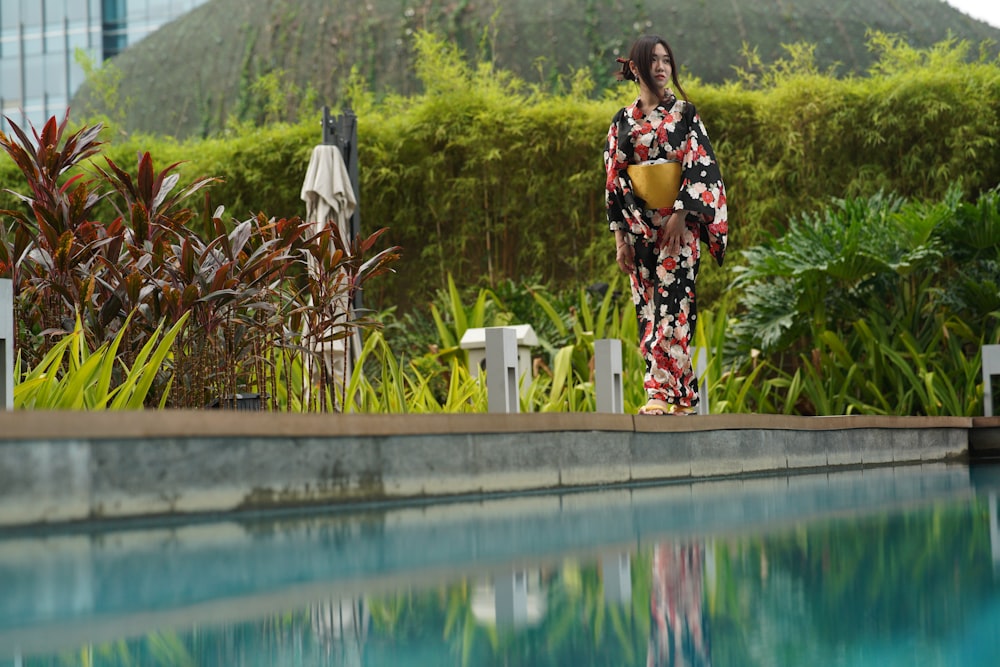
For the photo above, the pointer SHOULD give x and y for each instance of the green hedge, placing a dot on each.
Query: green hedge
(486, 177)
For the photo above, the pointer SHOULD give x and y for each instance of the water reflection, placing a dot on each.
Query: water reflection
(873, 568)
(678, 632)
(994, 530)
(510, 600)
(341, 629)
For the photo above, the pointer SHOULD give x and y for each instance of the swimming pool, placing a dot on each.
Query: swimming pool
(887, 566)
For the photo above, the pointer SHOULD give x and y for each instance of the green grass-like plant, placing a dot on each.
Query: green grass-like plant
(71, 376)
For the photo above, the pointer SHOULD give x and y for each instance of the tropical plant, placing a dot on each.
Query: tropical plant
(824, 267)
(72, 377)
(860, 309)
(972, 236)
(259, 284)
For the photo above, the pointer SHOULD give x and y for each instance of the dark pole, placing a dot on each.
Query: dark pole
(342, 132)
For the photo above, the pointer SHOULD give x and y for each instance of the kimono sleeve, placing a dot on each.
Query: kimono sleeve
(703, 192)
(615, 162)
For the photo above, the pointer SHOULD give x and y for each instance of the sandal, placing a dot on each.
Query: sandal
(655, 407)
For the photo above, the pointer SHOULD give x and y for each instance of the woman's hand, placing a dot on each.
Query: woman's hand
(673, 232)
(625, 256)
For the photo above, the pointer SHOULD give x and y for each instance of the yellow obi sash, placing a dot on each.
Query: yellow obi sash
(657, 183)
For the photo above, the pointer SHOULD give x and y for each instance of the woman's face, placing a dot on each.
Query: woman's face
(659, 72)
(661, 68)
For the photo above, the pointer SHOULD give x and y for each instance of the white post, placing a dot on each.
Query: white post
(617, 572)
(511, 598)
(6, 345)
(991, 369)
(701, 371)
(501, 370)
(474, 343)
(608, 392)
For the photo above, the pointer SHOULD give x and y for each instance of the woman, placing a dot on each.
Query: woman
(659, 247)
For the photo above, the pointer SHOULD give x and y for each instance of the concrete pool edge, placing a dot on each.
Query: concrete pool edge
(67, 467)
(56, 425)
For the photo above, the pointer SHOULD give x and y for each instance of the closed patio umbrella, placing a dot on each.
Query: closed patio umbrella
(330, 202)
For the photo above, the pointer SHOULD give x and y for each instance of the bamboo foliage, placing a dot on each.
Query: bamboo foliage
(483, 175)
(458, 170)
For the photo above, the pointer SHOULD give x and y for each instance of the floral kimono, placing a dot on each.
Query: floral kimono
(663, 284)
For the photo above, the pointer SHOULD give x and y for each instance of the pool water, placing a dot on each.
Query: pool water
(892, 566)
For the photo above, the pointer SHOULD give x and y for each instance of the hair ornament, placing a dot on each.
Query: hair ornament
(625, 73)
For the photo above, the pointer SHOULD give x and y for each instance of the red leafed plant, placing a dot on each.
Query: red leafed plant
(251, 287)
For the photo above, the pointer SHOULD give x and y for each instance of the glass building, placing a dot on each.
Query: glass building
(39, 39)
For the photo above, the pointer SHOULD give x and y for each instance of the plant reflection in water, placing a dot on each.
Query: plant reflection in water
(910, 583)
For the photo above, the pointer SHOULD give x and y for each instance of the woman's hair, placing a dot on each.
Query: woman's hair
(642, 55)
